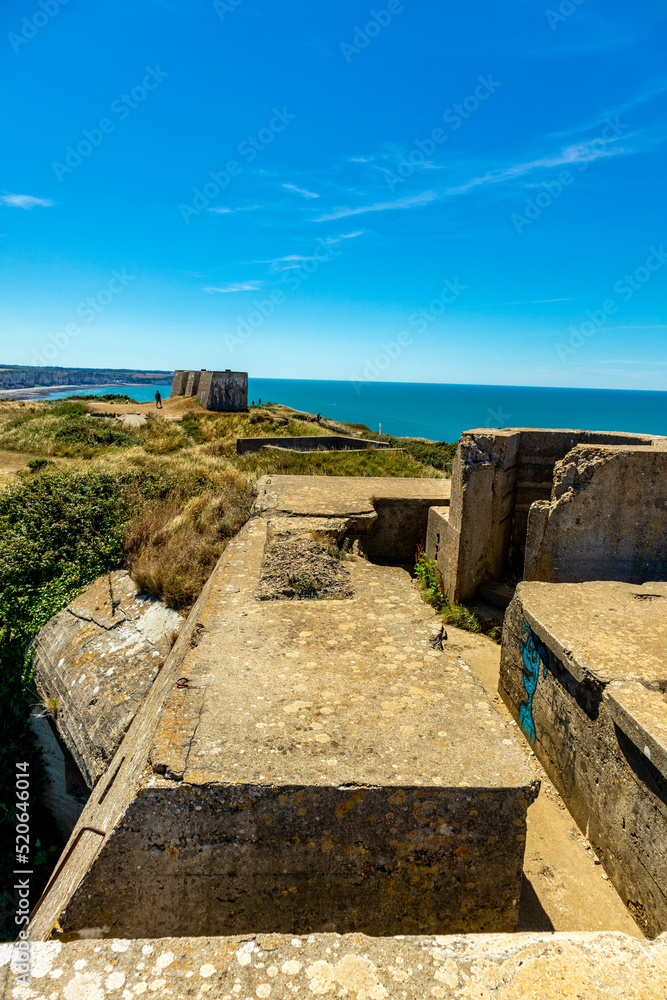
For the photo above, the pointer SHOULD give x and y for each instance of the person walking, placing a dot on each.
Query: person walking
(158, 400)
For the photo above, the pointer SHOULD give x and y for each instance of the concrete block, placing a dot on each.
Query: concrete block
(303, 766)
(192, 383)
(224, 391)
(387, 517)
(179, 383)
(94, 663)
(496, 477)
(583, 670)
(464, 967)
(606, 520)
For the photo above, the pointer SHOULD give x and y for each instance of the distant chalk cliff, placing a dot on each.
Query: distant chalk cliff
(26, 377)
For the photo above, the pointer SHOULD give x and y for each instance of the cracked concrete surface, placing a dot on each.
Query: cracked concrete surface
(105, 649)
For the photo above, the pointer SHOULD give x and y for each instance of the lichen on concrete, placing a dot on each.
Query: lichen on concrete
(94, 663)
(274, 967)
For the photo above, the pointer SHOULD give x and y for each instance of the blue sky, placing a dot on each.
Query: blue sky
(405, 191)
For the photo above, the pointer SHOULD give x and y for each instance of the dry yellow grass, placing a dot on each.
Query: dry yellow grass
(171, 546)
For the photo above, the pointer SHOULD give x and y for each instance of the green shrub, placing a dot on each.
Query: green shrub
(108, 397)
(94, 432)
(190, 425)
(434, 594)
(68, 408)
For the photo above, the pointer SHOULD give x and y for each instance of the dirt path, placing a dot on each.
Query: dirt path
(564, 889)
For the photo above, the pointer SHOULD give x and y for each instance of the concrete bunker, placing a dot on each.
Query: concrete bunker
(501, 482)
(223, 391)
(304, 766)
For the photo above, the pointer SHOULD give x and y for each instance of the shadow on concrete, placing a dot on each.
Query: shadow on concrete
(532, 915)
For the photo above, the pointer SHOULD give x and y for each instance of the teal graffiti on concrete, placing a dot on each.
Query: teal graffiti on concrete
(533, 655)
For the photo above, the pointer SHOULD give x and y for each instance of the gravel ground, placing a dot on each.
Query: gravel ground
(298, 568)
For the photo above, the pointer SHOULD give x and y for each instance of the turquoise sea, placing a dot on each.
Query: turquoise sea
(442, 412)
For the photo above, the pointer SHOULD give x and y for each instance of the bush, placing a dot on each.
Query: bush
(39, 463)
(67, 408)
(434, 594)
(108, 397)
(57, 533)
(93, 432)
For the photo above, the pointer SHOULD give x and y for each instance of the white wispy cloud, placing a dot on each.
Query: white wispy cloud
(627, 361)
(580, 152)
(380, 206)
(535, 302)
(239, 208)
(244, 286)
(654, 89)
(298, 190)
(294, 260)
(24, 201)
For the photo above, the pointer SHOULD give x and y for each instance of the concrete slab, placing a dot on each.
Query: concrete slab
(605, 630)
(387, 517)
(584, 671)
(337, 496)
(316, 765)
(474, 967)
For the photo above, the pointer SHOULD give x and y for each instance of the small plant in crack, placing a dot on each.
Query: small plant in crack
(304, 587)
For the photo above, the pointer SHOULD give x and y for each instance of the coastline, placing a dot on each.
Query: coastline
(41, 391)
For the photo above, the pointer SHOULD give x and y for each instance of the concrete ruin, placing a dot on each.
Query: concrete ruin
(94, 663)
(222, 391)
(584, 672)
(305, 772)
(305, 765)
(606, 519)
(509, 517)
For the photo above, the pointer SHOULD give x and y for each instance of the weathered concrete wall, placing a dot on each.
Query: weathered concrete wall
(304, 765)
(224, 391)
(179, 383)
(192, 383)
(94, 663)
(64, 801)
(480, 509)
(311, 442)
(473, 967)
(583, 671)
(606, 520)
(497, 475)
